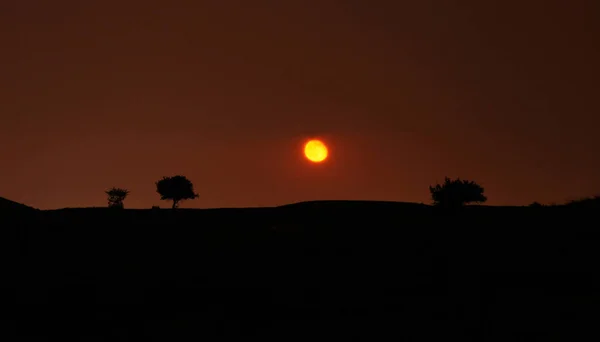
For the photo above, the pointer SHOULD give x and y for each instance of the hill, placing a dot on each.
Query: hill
(13, 212)
(334, 269)
(11, 206)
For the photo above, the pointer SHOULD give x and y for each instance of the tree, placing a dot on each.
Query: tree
(456, 193)
(116, 196)
(176, 188)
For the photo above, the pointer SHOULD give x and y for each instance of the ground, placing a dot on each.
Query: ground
(337, 269)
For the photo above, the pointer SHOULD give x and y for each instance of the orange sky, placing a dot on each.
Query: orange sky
(95, 94)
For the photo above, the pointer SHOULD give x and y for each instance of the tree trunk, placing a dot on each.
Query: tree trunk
(175, 202)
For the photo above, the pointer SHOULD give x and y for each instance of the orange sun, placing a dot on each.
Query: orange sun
(315, 151)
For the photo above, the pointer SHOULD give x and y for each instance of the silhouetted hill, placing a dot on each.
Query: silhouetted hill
(333, 269)
(14, 212)
(587, 203)
(8, 205)
(354, 204)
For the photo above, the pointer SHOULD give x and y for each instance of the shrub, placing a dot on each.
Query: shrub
(456, 193)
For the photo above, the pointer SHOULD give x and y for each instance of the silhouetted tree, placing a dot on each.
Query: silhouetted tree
(116, 196)
(176, 188)
(456, 193)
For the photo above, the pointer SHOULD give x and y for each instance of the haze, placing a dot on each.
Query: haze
(95, 94)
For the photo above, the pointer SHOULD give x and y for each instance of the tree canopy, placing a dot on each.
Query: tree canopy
(456, 193)
(176, 189)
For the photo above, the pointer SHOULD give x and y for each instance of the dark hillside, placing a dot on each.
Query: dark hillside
(8, 207)
(350, 269)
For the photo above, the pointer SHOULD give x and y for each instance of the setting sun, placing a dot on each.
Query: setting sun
(315, 151)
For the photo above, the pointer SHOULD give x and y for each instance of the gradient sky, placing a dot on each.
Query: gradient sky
(95, 94)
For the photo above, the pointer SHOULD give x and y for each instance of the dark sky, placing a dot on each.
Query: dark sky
(95, 94)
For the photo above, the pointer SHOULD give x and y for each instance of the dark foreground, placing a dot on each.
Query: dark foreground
(360, 271)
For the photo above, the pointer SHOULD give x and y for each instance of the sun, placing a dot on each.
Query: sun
(315, 151)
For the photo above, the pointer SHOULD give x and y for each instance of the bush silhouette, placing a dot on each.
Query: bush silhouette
(116, 196)
(176, 189)
(456, 193)
(586, 202)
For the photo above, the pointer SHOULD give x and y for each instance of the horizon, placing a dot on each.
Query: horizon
(167, 206)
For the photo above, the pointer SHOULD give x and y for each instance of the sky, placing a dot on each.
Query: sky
(96, 94)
